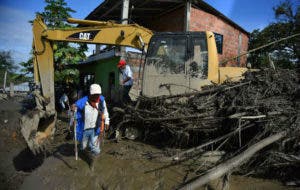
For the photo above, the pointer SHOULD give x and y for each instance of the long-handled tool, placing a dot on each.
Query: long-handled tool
(75, 137)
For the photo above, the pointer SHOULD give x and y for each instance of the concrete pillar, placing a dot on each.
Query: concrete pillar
(188, 6)
(11, 93)
(125, 10)
(239, 49)
(124, 17)
(97, 49)
(4, 80)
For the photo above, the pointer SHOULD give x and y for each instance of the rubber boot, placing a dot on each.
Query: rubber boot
(91, 164)
(93, 158)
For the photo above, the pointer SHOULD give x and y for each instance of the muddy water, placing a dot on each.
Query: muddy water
(124, 166)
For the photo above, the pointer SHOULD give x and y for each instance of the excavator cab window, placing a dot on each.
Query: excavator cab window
(198, 66)
(168, 53)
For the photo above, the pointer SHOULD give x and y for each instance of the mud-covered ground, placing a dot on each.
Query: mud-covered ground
(123, 165)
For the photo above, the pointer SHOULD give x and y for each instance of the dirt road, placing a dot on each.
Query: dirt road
(123, 165)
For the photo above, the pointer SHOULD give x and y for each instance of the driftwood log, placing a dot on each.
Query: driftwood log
(232, 163)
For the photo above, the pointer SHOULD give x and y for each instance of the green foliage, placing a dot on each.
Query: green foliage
(67, 76)
(19, 78)
(284, 54)
(27, 67)
(6, 62)
(55, 15)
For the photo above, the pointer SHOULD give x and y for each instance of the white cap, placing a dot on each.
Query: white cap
(95, 89)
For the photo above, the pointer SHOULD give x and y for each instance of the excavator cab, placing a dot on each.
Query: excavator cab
(176, 63)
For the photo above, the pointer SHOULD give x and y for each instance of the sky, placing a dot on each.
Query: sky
(16, 35)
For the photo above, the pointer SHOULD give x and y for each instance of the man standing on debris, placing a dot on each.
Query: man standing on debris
(91, 113)
(127, 80)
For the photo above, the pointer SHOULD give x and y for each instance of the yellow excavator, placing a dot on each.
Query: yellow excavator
(175, 63)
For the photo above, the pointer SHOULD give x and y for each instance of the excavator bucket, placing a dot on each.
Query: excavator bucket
(37, 129)
(38, 125)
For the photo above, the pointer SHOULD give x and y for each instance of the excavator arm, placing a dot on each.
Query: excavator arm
(39, 125)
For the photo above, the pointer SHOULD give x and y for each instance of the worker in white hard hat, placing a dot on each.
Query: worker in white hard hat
(92, 119)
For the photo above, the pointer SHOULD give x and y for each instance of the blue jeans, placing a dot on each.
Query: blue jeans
(90, 138)
(126, 97)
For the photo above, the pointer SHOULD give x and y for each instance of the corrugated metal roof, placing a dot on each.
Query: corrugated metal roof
(100, 56)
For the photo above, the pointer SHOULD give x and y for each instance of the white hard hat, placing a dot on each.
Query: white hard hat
(95, 89)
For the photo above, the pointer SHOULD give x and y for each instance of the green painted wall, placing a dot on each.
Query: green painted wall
(101, 69)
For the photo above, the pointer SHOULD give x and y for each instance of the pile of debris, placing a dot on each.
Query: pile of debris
(230, 117)
(3, 96)
(266, 98)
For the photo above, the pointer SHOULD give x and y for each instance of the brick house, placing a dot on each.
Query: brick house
(175, 15)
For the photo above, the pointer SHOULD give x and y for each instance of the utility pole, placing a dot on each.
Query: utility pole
(125, 10)
(4, 81)
(187, 15)
(124, 17)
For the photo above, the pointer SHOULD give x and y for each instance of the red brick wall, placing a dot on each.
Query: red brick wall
(203, 21)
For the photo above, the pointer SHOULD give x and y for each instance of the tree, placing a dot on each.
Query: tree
(27, 67)
(7, 67)
(55, 13)
(284, 54)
